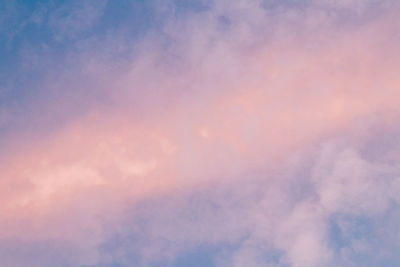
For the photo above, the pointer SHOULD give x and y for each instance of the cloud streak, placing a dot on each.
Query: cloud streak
(252, 133)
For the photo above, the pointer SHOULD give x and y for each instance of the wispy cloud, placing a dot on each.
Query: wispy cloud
(245, 133)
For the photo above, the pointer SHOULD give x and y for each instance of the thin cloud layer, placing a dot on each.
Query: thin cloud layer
(216, 133)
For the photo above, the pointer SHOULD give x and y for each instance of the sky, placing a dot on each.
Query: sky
(199, 133)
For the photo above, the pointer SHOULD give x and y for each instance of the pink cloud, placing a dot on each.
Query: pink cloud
(235, 103)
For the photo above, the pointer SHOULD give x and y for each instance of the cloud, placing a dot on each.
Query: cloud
(262, 218)
(238, 132)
